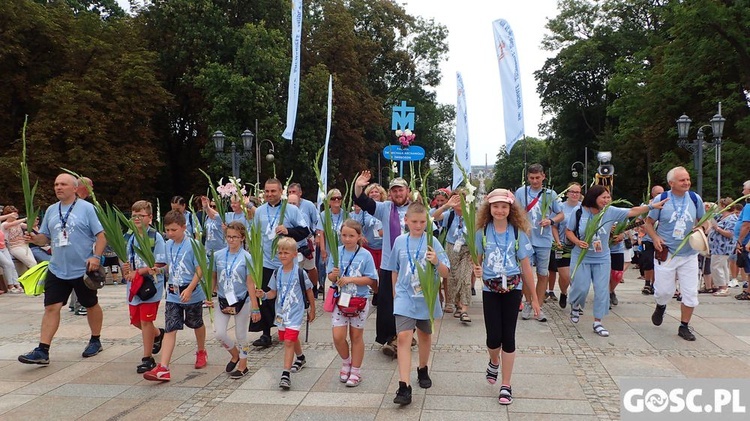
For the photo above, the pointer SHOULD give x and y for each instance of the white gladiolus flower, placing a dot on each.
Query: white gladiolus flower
(407, 132)
(470, 198)
(399, 132)
(470, 188)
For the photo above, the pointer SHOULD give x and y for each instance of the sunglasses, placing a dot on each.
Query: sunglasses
(337, 198)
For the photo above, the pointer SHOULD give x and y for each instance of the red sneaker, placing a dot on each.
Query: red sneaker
(159, 374)
(200, 358)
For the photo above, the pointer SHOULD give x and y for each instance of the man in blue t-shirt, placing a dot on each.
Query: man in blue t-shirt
(543, 210)
(77, 240)
(742, 237)
(676, 220)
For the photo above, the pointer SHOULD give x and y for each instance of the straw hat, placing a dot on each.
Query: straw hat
(699, 242)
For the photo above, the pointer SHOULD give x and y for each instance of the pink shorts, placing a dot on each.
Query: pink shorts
(288, 335)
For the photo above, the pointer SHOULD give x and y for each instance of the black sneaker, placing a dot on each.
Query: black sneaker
(231, 366)
(403, 395)
(157, 342)
(264, 341)
(658, 315)
(147, 364)
(685, 333)
(563, 300)
(425, 382)
(93, 348)
(551, 295)
(613, 298)
(238, 374)
(37, 356)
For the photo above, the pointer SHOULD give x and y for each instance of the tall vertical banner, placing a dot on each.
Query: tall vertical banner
(462, 135)
(291, 105)
(324, 164)
(510, 79)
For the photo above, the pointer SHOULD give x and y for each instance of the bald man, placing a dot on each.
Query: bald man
(77, 240)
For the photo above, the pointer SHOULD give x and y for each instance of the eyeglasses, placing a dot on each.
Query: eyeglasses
(136, 217)
(233, 237)
(336, 199)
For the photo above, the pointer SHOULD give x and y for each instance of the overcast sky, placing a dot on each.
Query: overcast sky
(472, 52)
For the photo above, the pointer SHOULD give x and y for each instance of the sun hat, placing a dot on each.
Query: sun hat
(94, 279)
(501, 195)
(699, 242)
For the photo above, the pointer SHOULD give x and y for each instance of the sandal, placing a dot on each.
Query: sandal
(492, 371)
(575, 315)
(346, 369)
(721, 293)
(744, 296)
(457, 313)
(600, 330)
(465, 317)
(353, 380)
(506, 395)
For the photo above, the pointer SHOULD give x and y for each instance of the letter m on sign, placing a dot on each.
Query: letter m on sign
(403, 117)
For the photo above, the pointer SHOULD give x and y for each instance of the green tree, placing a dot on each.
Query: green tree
(509, 167)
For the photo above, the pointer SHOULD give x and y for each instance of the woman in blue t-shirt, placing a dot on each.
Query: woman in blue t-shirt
(504, 249)
(596, 264)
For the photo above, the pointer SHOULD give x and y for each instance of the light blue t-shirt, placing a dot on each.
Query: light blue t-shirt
(81, 227)
(268, 216)
(371, 228)
(406, 254)
(525, 196)
(337, 220)
(355, 264)
(567, 211)
(189, 224)
(182, 267)
(214, 234)
(676, 220)
(234, 216)
(598, 251)
(290, 303)
(383, 214)
(457, 228)
(744, 217)
(500, 255)
(310, 212)
(231, 272)
(160, 256)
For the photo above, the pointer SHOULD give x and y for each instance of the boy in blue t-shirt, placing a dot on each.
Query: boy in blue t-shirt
(409, 306)
(143, 311)
(290, 306)
(184, 306)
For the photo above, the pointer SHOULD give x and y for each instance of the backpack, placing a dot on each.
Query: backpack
(693, 197)
(301, 277)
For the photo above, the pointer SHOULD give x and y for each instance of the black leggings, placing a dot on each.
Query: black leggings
(500, 317)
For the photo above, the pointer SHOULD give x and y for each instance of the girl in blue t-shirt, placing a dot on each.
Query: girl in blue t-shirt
(353, 280)
(596, 264)
(504, 249)
(234, 286)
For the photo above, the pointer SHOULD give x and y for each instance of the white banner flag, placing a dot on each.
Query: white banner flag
(291, 105)
(510, 79)
(324, 164)
(462, 135)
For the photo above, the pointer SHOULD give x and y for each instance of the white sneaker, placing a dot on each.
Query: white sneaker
(16, 290)
(527, 311)
(541, 317)
(734, 283)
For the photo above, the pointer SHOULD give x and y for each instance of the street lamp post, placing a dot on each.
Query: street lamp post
(696, 146)
(247, 146)
(574, 172)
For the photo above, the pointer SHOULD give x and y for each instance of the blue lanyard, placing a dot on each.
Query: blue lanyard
(172, 257)
(413, 262)
(505, 244)
(228, 270)
(64, 220)
(336, 225)
(271, 222)
(682, 206)
(285, 291)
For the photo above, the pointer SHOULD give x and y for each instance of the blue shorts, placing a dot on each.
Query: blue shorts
(540, 259)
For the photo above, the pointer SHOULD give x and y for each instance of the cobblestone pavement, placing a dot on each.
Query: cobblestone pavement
(563, 371)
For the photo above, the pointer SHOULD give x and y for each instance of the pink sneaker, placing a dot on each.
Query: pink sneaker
(200, 358)
(159, 374)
